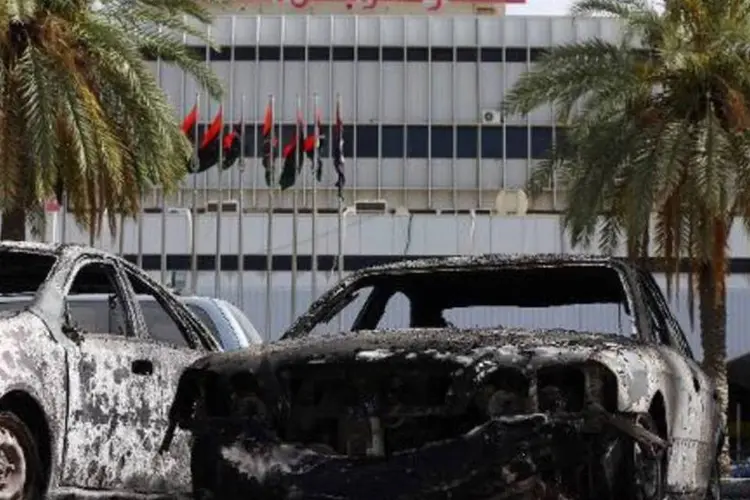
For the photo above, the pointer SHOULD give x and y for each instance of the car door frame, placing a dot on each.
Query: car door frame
(175, 466)
(199, 337)
(131, 349)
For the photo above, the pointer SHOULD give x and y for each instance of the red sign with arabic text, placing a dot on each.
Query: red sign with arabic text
(373, 6)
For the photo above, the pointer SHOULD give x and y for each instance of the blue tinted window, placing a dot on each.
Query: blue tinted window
(417, 145)
(393, 141)
(442, 141)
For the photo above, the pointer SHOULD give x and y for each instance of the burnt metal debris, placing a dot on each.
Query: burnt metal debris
(82, 411)
(433, 411)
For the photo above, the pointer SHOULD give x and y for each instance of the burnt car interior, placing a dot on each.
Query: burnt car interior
(538, 297)
(22, 273)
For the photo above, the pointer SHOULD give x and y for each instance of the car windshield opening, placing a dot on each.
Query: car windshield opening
(586, 298)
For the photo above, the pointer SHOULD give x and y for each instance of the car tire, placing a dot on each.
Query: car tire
(21, 472)
(649, 474)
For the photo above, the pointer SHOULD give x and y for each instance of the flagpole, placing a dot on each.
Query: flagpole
(194, 208)
(314, 219)
(269, 224)
(241, 212)
(220, 203)
(64, 221)
(295, 209)
(163, 259)
(120, 238)
(340, 216)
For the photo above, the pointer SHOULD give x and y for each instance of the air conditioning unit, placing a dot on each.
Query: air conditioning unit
(492, 117)
(370, 206)
(511, 201)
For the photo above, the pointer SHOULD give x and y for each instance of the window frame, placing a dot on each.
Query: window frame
(132, 331)
(172, 308)
(652, 294)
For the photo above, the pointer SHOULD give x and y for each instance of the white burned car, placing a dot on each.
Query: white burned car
(85, 391)
(473, 378)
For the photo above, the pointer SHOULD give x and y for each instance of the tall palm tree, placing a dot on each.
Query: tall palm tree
(656, 127)
(81, 113)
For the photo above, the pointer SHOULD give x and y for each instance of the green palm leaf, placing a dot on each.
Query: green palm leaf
(80, 108)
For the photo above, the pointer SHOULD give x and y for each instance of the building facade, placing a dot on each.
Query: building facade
(421, 100)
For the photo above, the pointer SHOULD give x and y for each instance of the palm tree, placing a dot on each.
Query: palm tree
(656, 127)
(81, 113)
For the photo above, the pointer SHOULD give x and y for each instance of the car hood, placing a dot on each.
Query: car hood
(508, 346)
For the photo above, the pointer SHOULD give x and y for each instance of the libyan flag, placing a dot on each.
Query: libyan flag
(294, 156)
(213, 145)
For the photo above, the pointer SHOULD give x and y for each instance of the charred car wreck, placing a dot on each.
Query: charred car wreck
(491, 377)
(85, 391)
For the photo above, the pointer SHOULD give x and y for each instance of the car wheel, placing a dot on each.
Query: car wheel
(649, 475)
(20, 467)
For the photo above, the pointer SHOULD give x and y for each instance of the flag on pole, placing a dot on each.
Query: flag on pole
(188, 124)
(208, 152)
(294, 155)
(268, 148)
(232, 149)
(338, 149)
(313, 145)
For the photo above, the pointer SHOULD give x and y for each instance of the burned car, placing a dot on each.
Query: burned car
(85, 391)
(538, 377)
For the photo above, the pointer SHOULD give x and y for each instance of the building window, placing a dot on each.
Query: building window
(392, 145)
(368, 53)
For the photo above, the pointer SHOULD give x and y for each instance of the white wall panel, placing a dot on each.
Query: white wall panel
(246, 30)
(417, 31)
(368, 31)
(343, 84)
(417, 95)
(392, 172)
(538, 32)
(464, 31)
(368, 80)
(442, 93)
(465, 94)
(344, 30)
(271, 30)
(294, 89)
(492, 86)
(394, 104)
(320, 81)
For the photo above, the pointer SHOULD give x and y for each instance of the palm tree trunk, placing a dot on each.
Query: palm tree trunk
(13, 224)
(713, 315)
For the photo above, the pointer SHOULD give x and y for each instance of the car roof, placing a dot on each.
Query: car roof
(51, 248)
(487, 261)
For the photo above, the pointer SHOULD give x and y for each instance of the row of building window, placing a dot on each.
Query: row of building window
(420, 141)
(368, 54)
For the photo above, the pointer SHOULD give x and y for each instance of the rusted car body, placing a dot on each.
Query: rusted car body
(84, 395)
(419, 407)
